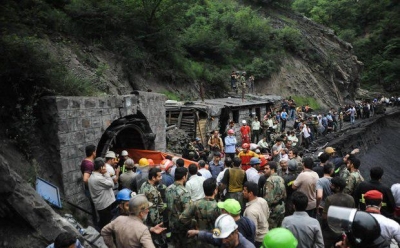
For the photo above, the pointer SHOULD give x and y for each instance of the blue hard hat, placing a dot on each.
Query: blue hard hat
(124, 195)
(254, 161)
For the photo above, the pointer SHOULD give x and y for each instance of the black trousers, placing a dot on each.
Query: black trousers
(105, 216)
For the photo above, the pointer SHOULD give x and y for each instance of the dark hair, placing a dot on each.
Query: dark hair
(98, 163)
(180, 172)
(192, 169)
(237, 161)
(308, 162)
(272, 165)
(201, 163)
(153, 172)
(228, 162)
(64, 240)
(373, 202)
(355, 161)
(376, 173)
(168, 157)
(338, 182)
(328, 168)
(324, 157)
(209, 185)
(180, 162)
(89, 150)
(294, 151)
(300, 200)
(251, 187)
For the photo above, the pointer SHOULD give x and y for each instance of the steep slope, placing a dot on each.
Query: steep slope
(326, 69)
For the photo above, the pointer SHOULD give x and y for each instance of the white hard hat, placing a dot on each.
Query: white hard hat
(224, 226)
(110, 154)
(124, 153)
(244, 122)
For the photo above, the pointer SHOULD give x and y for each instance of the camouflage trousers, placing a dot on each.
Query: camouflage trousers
(276, 216)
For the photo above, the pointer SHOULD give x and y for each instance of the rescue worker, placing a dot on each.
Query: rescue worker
(245, 155)
(122, 199)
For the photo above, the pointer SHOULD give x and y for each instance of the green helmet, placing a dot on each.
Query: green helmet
(278, 238)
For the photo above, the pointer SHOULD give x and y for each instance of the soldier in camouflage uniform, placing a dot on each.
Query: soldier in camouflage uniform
(155, 217)
(355, 177)
(178, 198)
(289, 179)
(201, 214)
(275, 195)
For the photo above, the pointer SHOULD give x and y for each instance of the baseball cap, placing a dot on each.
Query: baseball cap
(373, 195)
(329, 150)
(231, 206)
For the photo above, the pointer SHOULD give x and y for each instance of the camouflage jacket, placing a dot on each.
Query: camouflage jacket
(201, 214)
(274, 191)
(154, 196)
(178, 198)
(352, 182)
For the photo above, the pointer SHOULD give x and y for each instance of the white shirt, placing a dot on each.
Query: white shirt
(205, 173)
(220, 176)
(111, 172)
(252, 175)
(294, 139)
(195, 187)
(255, 125)
(305, 131)
(396, 193)
(390, 229)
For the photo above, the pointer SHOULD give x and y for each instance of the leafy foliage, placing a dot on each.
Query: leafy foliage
(373, 27)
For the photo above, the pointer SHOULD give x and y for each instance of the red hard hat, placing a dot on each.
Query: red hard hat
(230, 131)
(245, 145)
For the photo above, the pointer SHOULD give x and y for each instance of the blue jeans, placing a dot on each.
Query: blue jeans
(291, 114)
(352, 119)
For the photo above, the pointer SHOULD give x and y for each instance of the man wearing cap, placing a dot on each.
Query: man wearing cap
(245, 132)
(225, 234)
(122, 199)
(216, 165)
(129, 231)
(390, 229)
(101, 186)
(230, 144)
(388, 203)
(275, 195)
(110, 166)
(143, 175)
(127, 177)
(245, 226)
(255, 128)
(252, 173)
(122, 159)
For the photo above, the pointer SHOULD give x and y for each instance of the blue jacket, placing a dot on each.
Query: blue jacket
(230, 144)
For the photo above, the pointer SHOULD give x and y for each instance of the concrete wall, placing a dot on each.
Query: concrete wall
(71, 123)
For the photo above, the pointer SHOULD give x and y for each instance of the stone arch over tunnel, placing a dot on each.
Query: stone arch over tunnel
(129, 132)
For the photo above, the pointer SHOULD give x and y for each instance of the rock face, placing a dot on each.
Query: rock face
(326, 69)
(26, 219)
(177, 139)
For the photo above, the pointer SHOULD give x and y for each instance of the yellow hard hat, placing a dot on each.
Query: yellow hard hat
(143, 162)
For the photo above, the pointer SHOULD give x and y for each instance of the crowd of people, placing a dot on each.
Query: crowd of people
(255, 190)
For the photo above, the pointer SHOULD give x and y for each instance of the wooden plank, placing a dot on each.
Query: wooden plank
(179, 119)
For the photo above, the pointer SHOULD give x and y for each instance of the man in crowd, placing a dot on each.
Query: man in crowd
(201, 214)
(122, 199)
(195, 184)
(87, 169)
(230, 144)
(216, 165)
(388, 203)
(129, 231)
(203, 171)
(101, 190)
(245, 132)
(252, 173)
(306, 229)
(289, 179)
(324, 187)
(355, 177)
(306, 183)
(256, 210)
(233, 181)
(276, 150)
(245, 226)
(127, 177)
(275, 195)
(177, 200)
(215, 143)
(255, 128)
(112, 169)
(245, 155)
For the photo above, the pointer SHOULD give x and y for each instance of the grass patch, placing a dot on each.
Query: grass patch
(171, 95)
(302, 101)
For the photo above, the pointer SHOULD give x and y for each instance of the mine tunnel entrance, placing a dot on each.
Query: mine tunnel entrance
(128, 132)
